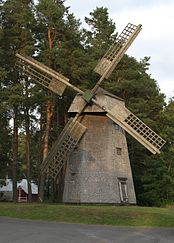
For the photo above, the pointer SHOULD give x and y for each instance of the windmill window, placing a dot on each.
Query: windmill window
(122, 184)
(119, 151)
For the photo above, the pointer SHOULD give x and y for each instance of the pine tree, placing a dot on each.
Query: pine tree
(100, 34)
(50, 21)
(17, 25)
(158, 173)
(5, 152)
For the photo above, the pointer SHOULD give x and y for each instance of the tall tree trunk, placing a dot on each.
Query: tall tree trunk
(50, 109)
(15, 153)
(28, 160)
(40, 151)
(49, 114)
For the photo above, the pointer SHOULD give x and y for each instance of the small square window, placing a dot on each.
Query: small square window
(119, 151)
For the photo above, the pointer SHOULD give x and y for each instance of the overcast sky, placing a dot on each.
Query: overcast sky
(155, 40)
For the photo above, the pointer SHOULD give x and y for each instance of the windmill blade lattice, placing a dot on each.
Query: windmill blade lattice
(43, 75)
(135, 127)
(112, 57)
(64, 145)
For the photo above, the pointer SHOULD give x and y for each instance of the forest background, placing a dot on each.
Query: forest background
(32, 118)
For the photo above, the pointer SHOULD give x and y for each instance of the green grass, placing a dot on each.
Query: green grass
(105, 215)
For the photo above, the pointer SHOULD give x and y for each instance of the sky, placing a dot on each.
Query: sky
(156, 40)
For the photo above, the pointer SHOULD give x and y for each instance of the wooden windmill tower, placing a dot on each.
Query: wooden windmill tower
(93, 141)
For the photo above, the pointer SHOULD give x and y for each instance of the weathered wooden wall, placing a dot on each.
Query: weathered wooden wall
(94, 168)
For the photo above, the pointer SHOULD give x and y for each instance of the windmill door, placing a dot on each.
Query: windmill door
(122, 184)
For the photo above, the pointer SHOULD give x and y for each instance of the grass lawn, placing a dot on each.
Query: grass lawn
(106, 215)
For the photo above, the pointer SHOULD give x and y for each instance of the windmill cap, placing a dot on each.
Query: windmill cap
(102, 96)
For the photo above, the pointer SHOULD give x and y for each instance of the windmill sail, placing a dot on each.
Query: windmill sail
(112, 57)
(64, 145)
(43, 75)
(135, 127)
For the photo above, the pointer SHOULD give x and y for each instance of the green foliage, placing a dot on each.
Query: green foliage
(156, 175)
(17, 23)
(16, 35)
(5, 142)
(101, 33)
(96, 39)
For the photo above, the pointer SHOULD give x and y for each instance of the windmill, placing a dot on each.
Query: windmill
(75, 129)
